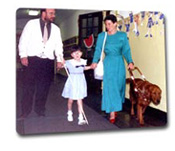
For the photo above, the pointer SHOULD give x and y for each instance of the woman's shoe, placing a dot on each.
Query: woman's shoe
(112, 121)
(115, 114)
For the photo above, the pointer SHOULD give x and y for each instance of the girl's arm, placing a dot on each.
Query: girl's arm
(87, 68)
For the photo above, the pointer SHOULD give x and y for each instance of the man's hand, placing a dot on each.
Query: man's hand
(24, 61)
(59, 65)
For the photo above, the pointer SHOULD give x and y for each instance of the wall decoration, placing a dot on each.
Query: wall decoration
(142, 17)
(89, 42)
(131, 16)
(136, 23)
(156, 14)
(127, 25)
(149, 25)
(163, 22)
(120, 27)
(120, 18)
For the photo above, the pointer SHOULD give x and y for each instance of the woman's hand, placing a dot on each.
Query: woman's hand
(93, 65)
(130, 66)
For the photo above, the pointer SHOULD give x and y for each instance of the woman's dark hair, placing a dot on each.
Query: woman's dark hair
(111, 17)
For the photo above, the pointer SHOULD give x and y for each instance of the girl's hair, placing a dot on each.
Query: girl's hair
(75, 48)
(111, 17)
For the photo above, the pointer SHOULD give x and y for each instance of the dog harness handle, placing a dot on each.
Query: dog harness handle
(132, 76)
(136, 89)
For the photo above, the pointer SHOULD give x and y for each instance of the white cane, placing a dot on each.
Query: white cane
(72, 85)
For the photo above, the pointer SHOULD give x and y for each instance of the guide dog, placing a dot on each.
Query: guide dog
(141, 94)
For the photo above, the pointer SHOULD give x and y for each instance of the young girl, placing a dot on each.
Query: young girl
(75, 87)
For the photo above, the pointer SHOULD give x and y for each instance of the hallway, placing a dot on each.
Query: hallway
(55, 120)
(56, 117)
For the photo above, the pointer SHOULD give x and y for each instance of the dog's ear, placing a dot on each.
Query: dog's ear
(154, 88)
(147, 93)
(151, 88)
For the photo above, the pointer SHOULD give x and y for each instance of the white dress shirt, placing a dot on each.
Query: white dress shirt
(31, 42)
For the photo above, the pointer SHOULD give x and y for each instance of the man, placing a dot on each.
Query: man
(39, 43)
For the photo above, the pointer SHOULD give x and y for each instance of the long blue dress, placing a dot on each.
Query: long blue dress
(116, 49)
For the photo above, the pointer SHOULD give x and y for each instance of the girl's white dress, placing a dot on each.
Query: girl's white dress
(75, 87)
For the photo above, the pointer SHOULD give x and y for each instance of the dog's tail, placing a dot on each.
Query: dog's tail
(128, 80)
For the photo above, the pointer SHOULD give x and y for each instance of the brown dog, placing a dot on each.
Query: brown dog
(142, 93)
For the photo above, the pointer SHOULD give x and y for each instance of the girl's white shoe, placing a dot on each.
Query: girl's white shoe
(70, 116)
(81, 121)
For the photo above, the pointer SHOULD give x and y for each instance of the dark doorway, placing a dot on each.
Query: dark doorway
(90, 25)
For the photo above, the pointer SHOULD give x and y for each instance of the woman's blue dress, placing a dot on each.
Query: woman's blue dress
(116, 49)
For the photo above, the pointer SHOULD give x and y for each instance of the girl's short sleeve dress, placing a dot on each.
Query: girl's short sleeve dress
(75, 87)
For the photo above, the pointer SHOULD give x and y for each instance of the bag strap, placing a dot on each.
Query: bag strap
(104, 41)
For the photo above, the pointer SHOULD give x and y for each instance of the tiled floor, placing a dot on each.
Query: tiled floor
(55, 120)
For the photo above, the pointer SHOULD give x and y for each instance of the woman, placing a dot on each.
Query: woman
(116, 47)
